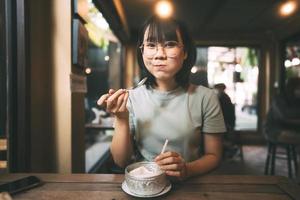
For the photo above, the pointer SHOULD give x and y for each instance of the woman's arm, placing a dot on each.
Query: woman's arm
(211, 159)
(121, 146)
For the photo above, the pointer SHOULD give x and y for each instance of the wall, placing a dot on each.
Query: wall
(50, 96)
(41, 88)
(61, 82)
(130, 65)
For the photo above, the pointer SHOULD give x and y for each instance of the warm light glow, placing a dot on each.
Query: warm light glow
(295, 61)
(287, 63)
(164, 9)
(288, 8)
(106, 58)
(194, 69)
(238, 68)
(88, 70)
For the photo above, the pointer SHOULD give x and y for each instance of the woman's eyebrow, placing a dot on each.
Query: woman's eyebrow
(151, 38)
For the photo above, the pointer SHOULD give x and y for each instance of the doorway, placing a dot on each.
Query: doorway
(237, 68)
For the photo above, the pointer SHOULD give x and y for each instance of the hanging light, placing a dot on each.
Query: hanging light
(288, 8)
(88, 70)
(164, 9)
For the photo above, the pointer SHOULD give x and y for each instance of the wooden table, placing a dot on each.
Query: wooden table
(108, 187)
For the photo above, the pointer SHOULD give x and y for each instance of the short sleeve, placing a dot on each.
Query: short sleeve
(213, 120)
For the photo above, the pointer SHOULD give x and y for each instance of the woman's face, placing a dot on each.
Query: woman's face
(165, 62)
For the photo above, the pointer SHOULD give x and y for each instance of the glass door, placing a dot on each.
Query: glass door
(236, 68)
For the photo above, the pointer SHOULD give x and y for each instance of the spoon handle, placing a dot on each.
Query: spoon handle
(139, 84)
(164, 147)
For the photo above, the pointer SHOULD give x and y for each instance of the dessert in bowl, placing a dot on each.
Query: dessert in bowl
(145, 178)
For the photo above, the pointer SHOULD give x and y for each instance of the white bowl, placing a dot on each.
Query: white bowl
(149, 185)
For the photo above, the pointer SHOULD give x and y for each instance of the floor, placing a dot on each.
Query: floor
(246, 119)
(252, 164)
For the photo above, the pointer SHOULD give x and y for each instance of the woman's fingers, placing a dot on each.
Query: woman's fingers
(102, 100)
(172, 167)
(173, 164)
(112, 100)
(166, 155)
(115, 95)
(116, 103)
(119, 102)
(111, 91)
(174, 173)
(123, 105)
(169, 160)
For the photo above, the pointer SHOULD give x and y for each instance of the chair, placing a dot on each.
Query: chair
(282, 128)
(288, 140)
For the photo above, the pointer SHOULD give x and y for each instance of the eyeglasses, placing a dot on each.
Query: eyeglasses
(171, 48)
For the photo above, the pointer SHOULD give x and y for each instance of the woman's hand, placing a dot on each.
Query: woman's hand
(115, 102)
(173, 164)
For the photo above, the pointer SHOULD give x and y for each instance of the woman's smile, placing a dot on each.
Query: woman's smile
(159, 66)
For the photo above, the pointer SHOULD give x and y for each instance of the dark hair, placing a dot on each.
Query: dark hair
(165, 29)
(220, 86)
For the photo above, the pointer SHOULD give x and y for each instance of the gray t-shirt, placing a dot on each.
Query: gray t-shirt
(175, 115)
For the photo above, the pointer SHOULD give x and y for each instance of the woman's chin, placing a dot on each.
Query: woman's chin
(162, 76)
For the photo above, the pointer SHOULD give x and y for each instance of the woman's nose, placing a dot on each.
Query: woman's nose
(160, 52)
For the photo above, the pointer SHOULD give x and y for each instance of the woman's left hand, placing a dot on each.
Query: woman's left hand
(173, 164)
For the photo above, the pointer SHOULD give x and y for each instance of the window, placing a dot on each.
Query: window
(237, 68)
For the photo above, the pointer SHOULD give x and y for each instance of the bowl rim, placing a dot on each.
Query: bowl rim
(127, 173)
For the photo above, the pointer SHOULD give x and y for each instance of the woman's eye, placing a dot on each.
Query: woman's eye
(150, 45)
(170, 44)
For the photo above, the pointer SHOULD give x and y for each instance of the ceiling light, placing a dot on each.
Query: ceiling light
(164, 9)
(88, 70)
(288, 8)
(287, 63)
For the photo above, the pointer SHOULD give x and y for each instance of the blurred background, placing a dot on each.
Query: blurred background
(58, 57)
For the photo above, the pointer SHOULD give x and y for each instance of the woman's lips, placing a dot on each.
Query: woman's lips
(159, 65)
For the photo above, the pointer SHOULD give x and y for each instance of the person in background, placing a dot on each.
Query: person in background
(226, 105)
(284, 112)
(166, 108)
(228, 109)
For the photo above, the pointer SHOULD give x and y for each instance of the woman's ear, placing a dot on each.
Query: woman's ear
(185, 55)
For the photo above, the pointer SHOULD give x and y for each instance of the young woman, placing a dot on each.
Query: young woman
(166, 107)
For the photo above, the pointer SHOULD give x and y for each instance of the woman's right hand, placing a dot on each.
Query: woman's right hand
(115, 102)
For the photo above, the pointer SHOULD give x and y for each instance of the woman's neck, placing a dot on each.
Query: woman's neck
(166, 85)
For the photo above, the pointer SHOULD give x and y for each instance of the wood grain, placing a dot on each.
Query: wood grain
(108, 187)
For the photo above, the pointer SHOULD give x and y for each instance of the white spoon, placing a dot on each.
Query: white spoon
(139, 84)
(164, 147)
(131, 88)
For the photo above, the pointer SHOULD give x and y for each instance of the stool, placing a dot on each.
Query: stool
(289, 141)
